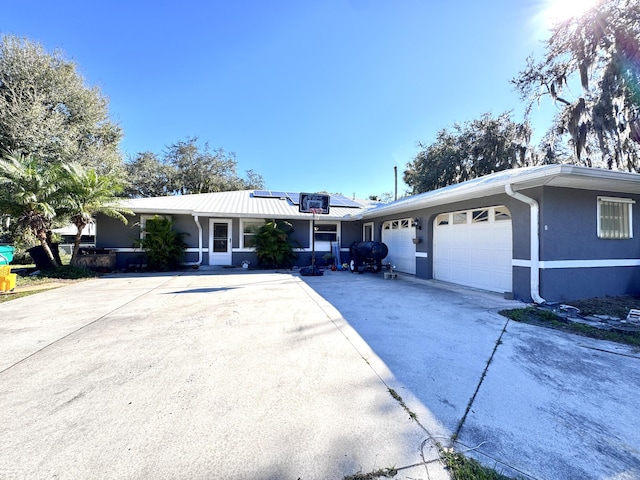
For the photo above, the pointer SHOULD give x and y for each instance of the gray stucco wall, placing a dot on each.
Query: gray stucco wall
(569, 232)
(112, 233)
(569, 227)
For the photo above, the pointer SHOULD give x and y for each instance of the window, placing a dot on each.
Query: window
(442, 219)
(249, 230)
(326, 232)
(615, 218)
(480, 216)
(459, 218)
(502, 213)
(146, 218)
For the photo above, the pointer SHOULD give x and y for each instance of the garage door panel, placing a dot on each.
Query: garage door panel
(476, 254)
(399, 241)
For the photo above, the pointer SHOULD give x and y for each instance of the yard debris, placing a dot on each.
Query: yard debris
(634, 316)
(571, 310)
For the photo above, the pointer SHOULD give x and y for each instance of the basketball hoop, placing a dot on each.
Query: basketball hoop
(315, 211)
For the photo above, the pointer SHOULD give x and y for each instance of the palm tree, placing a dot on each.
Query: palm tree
(88, 194)
(29, 191)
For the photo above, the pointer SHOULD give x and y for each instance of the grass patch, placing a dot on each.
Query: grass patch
(61, 274)
(380, 473)
(465, 468)
(548, 319)
(399, 399)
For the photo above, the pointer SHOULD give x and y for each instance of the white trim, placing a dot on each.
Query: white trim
(554, 264)
(139, 250)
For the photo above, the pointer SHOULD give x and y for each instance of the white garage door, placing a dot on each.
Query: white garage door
(474, 248)
(398, 236)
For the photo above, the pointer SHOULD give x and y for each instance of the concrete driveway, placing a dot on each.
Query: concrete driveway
(200, 375)
(550, 406)
(234, 374)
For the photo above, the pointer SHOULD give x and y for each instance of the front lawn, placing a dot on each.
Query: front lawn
(29, 277)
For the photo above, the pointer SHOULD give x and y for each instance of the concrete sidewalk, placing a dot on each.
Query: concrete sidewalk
(233, 375)
(550, 405)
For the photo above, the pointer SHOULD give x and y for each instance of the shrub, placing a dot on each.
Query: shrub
(274, 246)
(165, 248)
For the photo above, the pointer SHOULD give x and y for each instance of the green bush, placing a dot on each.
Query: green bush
(274, 246)
(164, 247)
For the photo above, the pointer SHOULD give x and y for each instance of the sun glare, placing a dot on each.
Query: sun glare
(560, 10)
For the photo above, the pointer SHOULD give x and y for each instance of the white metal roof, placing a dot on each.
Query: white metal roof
(241, 203)
(567, 176)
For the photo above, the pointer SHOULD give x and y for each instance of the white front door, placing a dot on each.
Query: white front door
(219, 241)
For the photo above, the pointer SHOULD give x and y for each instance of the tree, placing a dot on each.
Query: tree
(147, 176)
(29, 192)
(88, 194)
(186, 168)
(200, 170)
(476, 148)
(48, 112)
(599, 53)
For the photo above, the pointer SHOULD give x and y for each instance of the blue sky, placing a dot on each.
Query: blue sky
(312, 94)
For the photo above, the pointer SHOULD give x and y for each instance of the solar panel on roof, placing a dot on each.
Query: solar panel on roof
(294, 197)
(261, 193)
(279, 194)
(342, 201)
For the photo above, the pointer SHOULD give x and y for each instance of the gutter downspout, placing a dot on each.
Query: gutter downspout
(535, 241)
(197, 220)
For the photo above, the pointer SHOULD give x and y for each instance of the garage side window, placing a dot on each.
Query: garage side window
(249, 230)
(615, 218)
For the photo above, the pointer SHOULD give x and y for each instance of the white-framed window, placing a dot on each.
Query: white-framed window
(326, 232)
(249, 228)
(143, 222)
(367, 232)
(615, 218)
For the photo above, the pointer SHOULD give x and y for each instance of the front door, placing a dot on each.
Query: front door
(219, 242)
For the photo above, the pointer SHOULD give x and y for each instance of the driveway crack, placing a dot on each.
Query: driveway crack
(462, 421)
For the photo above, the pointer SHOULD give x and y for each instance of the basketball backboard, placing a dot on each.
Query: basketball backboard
(309, 201)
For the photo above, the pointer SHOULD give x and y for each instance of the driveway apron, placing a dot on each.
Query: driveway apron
(196, 376)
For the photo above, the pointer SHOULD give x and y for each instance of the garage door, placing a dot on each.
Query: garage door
(474, 248)
(398, 236)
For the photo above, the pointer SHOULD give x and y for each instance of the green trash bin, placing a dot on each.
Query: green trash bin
(6, 254)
